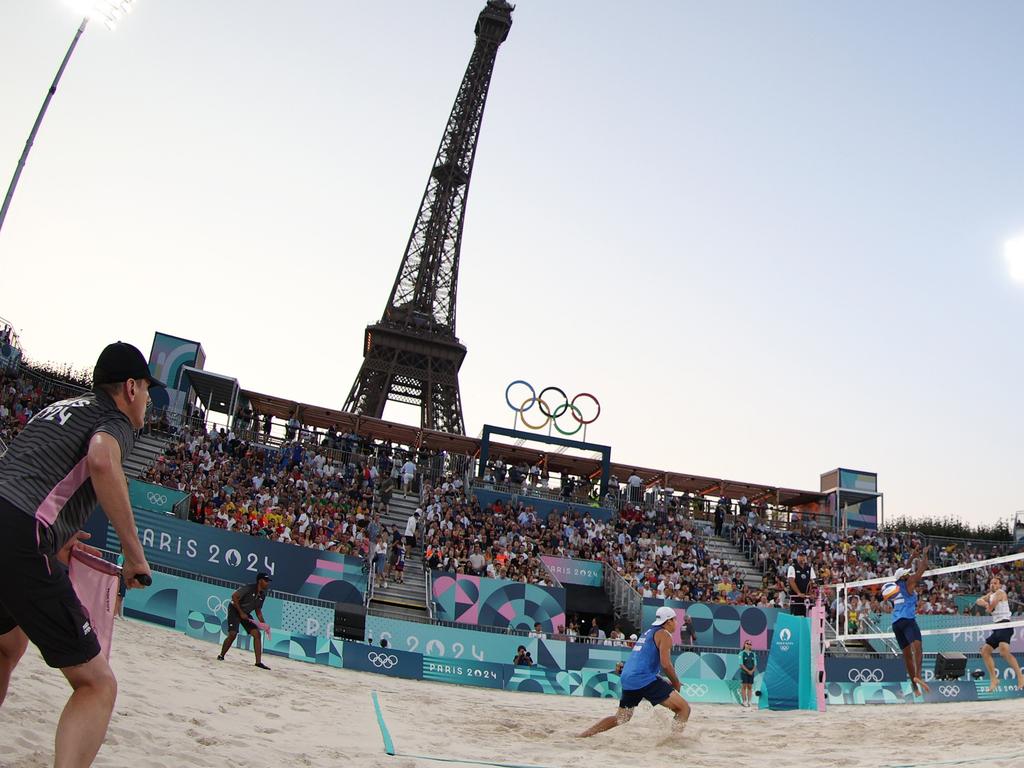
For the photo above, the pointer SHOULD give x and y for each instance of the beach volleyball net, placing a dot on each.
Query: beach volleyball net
(855, 597)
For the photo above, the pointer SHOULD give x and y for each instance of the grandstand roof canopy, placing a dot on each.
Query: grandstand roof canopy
(378, 429)
(217, 393)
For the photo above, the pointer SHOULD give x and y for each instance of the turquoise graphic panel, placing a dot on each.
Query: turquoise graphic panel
(201, 610)
(153, 498)
(497, 602)
(717, 625)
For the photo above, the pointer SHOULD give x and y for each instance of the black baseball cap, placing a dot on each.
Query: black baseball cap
(121, 361)
(264, 576)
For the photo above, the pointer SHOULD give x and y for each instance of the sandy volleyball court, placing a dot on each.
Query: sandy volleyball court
(178, 706)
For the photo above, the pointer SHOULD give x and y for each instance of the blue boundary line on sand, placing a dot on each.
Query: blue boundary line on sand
(389, 745)
(962, 761)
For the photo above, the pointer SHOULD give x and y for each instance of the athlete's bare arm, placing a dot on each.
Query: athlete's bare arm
(664, 642)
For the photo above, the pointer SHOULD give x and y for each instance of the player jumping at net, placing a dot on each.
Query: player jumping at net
(996, 603)
(904, 621)
(640, 678)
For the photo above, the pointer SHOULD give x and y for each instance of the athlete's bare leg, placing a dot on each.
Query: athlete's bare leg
(1004, 651)
(83, 723)
(918, 655)
(12, 646)
(607, 723)
(990, 664)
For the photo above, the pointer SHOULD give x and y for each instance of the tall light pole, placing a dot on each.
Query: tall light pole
(110, 12)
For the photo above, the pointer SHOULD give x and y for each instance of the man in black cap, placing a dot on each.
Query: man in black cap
(244, 602)
(64, 461)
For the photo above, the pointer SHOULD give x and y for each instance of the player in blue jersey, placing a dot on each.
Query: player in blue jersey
(640, 679)
(904, 621)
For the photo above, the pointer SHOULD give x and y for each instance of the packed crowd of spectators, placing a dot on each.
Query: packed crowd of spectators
(862, 554)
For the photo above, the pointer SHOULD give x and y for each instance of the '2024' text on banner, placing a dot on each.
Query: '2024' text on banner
(238, 557)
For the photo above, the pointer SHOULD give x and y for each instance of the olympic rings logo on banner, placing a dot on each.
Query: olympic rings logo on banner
(551, 415)
(218, 606)
(694, 690)
(865, 675)
(156, 498)
(382, 660)
(949, 690)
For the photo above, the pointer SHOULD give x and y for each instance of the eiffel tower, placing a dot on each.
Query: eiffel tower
(412, 354)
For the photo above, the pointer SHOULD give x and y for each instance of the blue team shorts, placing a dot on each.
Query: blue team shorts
(655, 692)
(906, 631)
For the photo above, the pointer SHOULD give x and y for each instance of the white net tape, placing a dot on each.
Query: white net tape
(964, 625)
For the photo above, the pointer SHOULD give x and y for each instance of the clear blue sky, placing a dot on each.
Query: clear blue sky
(768, 236)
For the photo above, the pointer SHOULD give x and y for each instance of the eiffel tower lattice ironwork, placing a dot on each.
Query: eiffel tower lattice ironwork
(413, 355)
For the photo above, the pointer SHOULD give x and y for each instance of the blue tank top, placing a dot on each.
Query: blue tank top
(904, 605)
(643, 664)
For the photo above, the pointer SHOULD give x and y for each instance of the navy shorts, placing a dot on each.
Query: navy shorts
(655, 692)
(906, 631)
(746, 678)
(37, 596)
(999, 636)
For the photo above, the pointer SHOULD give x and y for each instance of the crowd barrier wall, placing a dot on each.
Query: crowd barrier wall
(478, 600)
(238, 557)
(471, 657)
(173, 601)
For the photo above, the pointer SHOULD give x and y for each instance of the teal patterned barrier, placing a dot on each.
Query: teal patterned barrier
(471, 657)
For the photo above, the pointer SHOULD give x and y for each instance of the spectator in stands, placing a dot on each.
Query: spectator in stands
(635, 487)
(408, 476)
(538, 631)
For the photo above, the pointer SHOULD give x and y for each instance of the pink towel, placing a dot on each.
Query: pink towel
(95, 581)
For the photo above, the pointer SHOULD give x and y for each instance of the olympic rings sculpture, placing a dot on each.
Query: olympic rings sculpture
(551, 415)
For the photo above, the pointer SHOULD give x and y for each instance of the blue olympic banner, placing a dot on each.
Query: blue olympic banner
(386, 661)
(844, 669)
(483, 674)
(586, 573)
(237, 557)
(179, 603)
(154, 498)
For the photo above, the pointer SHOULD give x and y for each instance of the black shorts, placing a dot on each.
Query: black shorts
(798, 606)
(235, 619)
(999, 636)
(36, 595)
(655, 692)
(906, 631)
(746, 678)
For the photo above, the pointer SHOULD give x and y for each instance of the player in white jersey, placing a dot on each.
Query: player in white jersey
(996, 603)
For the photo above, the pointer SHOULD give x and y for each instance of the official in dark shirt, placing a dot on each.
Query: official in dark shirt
(800, 578)
(244, 602)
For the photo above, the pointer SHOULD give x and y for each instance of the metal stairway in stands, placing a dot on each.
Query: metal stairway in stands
(408, 600)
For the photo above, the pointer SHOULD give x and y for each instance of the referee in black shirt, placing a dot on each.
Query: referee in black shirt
(245, 601)
(64, 461)
(800, 578)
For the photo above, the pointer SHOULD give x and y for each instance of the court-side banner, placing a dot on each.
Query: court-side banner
(172, 601)
(966, 640)
(719, 626)
(237, 557)
(388, 661)
(586, 573)
(497, 602)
